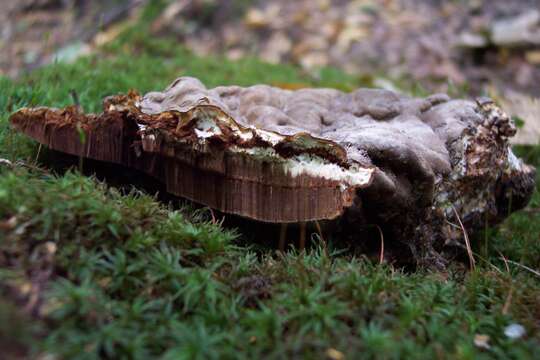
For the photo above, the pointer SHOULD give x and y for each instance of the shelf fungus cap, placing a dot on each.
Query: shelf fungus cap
(276, 155)
(204, 151)
(275, 176)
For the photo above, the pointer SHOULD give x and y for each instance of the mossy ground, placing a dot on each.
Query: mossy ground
(126, 276)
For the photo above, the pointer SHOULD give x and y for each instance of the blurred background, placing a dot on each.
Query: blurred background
(465, 48)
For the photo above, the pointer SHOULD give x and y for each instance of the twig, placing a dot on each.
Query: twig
(20, 163)
(467, 243)
(212, 215)
(480, 257)
(381, 254)
(524, 267)
(452, 224)
(37, 155)
(531, 210)
(505, 261)
(508, 300)
(319, 230)
(31, 167)
(221, 221)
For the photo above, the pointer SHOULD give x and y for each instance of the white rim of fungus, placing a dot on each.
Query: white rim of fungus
(318, 167)
(312, 165)
(268, 136)
(206, 128)
(303, 164)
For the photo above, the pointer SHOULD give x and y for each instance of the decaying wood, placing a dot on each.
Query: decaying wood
(370, 157)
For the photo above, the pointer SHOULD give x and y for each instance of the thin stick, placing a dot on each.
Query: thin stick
(37, 155)
(302, 235)
(282, 237)
(508, 301)
(214, 221)
(381, 254)
(505, 261)
(319, 230)
(524, 267)
(479, 257)
(467, 243)
(531, 210)
(30, 166)
(222, 221)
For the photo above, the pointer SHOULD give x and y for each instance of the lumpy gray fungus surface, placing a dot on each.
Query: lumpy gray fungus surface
(435, 158)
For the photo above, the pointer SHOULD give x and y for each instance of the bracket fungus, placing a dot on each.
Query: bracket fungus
(408, 165)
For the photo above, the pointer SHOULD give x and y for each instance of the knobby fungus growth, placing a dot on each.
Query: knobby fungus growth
(370, 157)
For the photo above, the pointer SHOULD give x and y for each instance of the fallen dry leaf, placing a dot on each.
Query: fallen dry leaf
(481, 341)
(335, 354)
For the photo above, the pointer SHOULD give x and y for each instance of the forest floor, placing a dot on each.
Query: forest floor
(92, 270)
